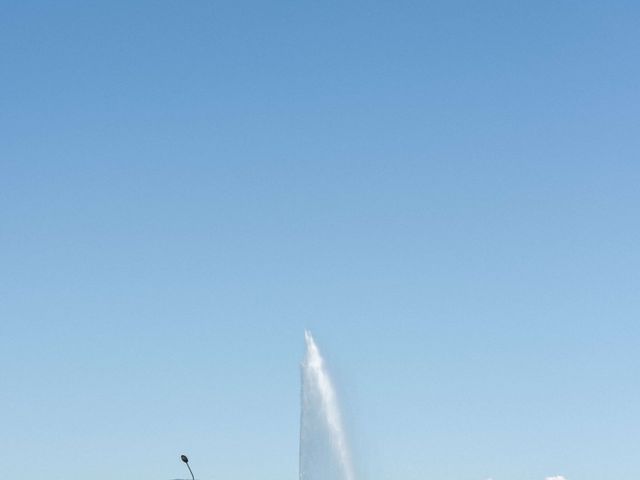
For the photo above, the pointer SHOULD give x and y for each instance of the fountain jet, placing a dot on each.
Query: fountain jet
(324, 452)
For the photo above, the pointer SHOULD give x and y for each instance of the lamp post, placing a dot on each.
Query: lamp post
(186, 461)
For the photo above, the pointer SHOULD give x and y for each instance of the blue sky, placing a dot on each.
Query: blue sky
(445, 193)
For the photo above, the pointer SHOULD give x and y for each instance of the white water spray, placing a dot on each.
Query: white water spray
(324, 453)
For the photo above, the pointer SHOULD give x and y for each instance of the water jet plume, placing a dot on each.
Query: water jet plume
(324, 452)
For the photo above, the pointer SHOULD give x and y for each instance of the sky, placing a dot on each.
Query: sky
(444, 193)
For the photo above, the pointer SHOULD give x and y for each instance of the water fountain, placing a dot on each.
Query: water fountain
(324, 453)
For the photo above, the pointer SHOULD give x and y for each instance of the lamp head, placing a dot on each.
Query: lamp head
(184, 458)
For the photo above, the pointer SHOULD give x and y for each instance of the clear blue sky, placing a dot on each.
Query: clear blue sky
(445, 193)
